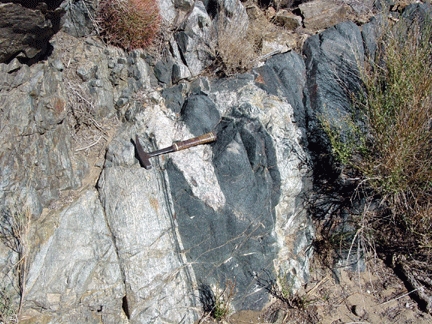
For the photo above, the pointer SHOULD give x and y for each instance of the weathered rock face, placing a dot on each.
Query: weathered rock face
(79, 17)
(26, 27)
(227, 212)
(225, 206)
(332, 60)
(113, 242)
(37, 147)
(320, 14)
(82, 281)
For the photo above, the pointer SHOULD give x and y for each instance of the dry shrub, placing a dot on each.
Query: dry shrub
(236, 50)
(392, 153)
(129, 24)
(398, 109)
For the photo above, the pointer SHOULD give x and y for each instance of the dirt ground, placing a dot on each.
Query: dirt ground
(336, 296)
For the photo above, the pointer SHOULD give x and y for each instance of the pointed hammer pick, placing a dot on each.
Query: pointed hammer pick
(176, 146)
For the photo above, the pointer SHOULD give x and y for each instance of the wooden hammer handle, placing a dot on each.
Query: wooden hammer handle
(202, 139)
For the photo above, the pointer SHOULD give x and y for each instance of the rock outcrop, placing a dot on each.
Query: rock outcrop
(26, 27)
(112, 242)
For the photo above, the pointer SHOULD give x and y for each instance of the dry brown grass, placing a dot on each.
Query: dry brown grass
(235, 49)
(14, 234)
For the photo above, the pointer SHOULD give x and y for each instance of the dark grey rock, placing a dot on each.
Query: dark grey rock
(194, 40)
(174, 97)
(121, 102)
(200, 114)
(163, 71)
(79, 19)
(418, 12)
(200, 86)
(285, 75)
(118, 74)
(237, 241)
(87, 71)
(369, 32)
(231, 200)
(332, 59)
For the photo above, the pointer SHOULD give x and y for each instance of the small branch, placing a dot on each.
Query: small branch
(425, 301)
(88, 146)
(401, 296)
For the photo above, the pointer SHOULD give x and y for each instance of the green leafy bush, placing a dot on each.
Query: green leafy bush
(129, 24)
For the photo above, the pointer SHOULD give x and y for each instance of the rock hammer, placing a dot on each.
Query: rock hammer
(176, 146)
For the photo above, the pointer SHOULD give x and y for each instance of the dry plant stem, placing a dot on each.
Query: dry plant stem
(418, 290)
(397, 298)
(86, 114)
(14, 232)
(88, 146)
(23, 234)
(322, 281)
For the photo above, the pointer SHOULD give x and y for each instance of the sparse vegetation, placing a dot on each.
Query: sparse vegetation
(217, 305)
(398, 107)
(14, 234)
(8, 308)
(129, 24)
(391, 155)
(235, 48)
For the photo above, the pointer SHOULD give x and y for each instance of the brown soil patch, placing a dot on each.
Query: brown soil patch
(341, 295)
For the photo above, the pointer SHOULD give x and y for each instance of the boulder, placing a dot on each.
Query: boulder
(232, 200)
(321, 14)
(193, 42)
(285, 75)
(287, 19)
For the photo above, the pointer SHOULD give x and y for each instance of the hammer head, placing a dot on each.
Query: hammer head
(143, 156)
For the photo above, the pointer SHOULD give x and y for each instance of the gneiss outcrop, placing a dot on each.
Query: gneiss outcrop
(112, 242)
